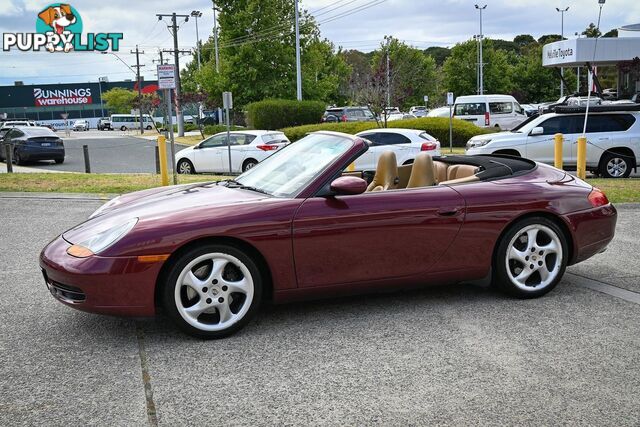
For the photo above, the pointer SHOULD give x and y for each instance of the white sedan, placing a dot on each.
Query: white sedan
(405, 143)
(248, 148)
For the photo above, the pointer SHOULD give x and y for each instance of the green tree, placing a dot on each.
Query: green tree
(523, 40)
(592, 31)
(257, 56)
(549, 38)
(611, 33)
(119, 100)
(439, 54)
(460, 69)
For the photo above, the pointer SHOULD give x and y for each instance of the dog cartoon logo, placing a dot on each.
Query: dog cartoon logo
(63, 19)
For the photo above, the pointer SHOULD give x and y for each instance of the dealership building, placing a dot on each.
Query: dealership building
(622, 51)
(47, 103)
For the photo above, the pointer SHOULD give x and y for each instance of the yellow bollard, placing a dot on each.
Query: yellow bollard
(557, 150)
(351, 167)
(582, 157)
(162, 152)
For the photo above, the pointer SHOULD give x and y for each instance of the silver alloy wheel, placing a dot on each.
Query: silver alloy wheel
(184, 167)
(534, 257)
(214, 291)
(249, 165)
(616, 167)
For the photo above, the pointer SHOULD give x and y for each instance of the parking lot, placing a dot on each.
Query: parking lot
(109, 152)
(454, 355)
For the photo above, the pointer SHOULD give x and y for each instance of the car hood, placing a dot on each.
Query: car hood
(163, 204)
(499, 136)
(184, 152)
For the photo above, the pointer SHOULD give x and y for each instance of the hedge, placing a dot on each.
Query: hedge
(438, 127)
(279, 113)
(213, 129)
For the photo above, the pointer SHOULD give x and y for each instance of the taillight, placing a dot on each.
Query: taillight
(428, 146)
(268, 147)
(343, 118)
(597, 198)
(487, 119)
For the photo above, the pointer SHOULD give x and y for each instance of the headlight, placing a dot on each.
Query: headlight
(101, 240)
(478, 143)
(104, 207)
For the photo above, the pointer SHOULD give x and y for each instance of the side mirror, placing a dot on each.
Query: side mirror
(196, 147)
(539, 130)
(348, 185)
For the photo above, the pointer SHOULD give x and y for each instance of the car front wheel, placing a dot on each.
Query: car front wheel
(531, 258)
(212, 291)
(614, 165)
(186, 167)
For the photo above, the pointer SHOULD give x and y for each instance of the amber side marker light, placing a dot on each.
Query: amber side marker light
(597, 198)
(79, 251)
(152, 258)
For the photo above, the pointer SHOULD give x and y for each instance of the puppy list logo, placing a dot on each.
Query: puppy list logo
(59, 29)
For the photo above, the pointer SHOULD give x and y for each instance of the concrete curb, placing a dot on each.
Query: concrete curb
(57, 196)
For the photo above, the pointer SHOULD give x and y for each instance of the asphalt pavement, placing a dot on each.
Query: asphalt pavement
(454, 355)
(109, 152)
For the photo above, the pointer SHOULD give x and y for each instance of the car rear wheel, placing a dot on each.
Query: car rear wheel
(186, 167)
(123, 128)
(148, 127)
(614, 165)
(59, 161)
(249, 164)
(16, 158)
(212, 291)
(531, 258)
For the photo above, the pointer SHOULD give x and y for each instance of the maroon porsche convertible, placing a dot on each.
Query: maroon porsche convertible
(300, 225)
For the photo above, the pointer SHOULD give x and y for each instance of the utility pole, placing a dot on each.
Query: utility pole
(174, 28)
(215, 36)
(298, 66)
(388, 39)
(481, 8)
(197, 14)
(562, 11)
(162, 61)
(137, 52)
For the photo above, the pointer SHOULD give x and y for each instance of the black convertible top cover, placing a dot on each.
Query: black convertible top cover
(492, 165)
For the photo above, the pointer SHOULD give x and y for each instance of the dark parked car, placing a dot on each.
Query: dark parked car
(298, 226)
(30, 143)
(348, 114)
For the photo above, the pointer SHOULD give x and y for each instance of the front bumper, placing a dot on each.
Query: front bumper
(106, 285)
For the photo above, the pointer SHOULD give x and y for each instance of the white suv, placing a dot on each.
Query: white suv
(613, 140)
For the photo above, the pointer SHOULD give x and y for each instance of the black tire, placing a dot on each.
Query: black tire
(186, 167)
(123, 128)
(502, 278)
(16, 158)
(169, 290)
(614, 165)
(148, 128)
(59, 161)
(249, 164)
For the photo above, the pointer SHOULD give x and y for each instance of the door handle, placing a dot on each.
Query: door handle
(448, 211)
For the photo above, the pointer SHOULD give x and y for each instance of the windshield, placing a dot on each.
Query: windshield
(291, 169)
(524, 123)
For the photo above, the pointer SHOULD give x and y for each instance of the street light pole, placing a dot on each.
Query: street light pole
(298, 65)
(481, 8)
(197, 14)
(562, 11)
(215, 35)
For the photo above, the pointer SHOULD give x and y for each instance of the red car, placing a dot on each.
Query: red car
(300, 225)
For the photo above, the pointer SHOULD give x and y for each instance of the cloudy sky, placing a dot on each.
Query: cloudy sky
(353, 24)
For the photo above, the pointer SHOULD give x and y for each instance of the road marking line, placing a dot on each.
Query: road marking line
(605, 288)
(146, 378)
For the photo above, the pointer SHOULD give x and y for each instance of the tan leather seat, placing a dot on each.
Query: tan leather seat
(440, 170)
(460, 171)
(404, 173)
(386, 177)
(422, 172)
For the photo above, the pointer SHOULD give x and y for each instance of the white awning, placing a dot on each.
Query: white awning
(577, 52)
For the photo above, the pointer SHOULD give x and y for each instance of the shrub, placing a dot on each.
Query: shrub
(438, 127)
(213, 129)
(280, 113)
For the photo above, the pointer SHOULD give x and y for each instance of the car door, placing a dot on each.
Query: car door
(605, 131)
(375, 235)
(239, 147)
(208, 156)
(541, 147)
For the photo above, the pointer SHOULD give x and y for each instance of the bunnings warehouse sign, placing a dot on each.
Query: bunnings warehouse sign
(52, 97)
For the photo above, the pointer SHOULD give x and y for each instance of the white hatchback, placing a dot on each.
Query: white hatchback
(405, 143)
(248, 148)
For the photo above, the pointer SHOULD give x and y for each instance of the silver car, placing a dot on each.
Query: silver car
(613, 141)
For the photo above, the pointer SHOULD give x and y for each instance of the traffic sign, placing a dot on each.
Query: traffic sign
(449, 98)
(227, 100)
(166, 76)
(65, 116)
